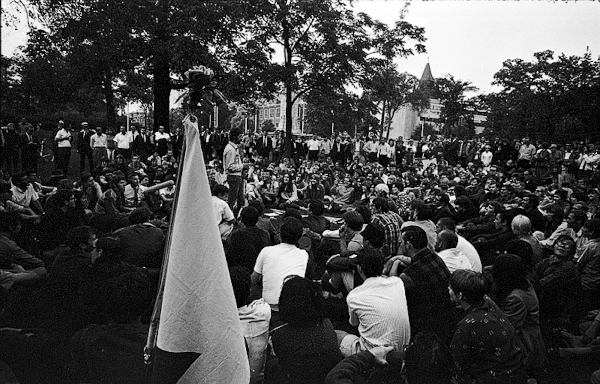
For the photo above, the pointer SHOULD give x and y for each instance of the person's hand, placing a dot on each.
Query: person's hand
(380, 353)
(402, 260)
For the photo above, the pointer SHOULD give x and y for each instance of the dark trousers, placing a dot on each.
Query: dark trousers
(522, 163)
(126, 153)
(236, 193)
(384, 160)
(82, 157)
(63, 157)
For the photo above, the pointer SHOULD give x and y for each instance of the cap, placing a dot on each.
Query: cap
(85, 123)
(60, 122)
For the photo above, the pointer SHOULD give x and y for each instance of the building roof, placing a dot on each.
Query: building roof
(426, 76)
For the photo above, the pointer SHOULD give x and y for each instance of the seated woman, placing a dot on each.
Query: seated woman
(288, 193)
(518, 300)
(486, 347)
(306, 345)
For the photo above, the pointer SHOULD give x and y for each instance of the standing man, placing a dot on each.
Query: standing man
(11, 148)
(370, 149)
(123, 140)
(384, 153)
(30, 149)
(589, 162)
(84, 148)
(232, 163)
(526, 153)
(142, 145)
(265, 146)
(63, 142)
(98, 142)
(313, 148)
(162, 140)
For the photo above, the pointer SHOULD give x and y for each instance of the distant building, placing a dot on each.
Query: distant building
(407, 119)
(274, 110)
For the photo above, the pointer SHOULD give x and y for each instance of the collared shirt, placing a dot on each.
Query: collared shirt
(232, 162)
(378, 307)
(63, 134)
(25, 197)
(98, 141)
(123, 140)
(526, 152)
(326, 146)
(391, 223)
(384, 150)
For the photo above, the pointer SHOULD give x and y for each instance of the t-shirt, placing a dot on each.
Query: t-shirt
(379, 308)
(223, 215)
(469, 250)
(275, 264)
(454, 259)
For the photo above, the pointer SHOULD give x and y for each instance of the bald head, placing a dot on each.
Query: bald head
(446, 239)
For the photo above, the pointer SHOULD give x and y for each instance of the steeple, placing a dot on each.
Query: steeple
(426, 76)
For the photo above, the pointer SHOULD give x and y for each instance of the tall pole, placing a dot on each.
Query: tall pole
(127, 112)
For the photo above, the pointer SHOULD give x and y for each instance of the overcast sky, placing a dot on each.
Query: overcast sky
(469, 39)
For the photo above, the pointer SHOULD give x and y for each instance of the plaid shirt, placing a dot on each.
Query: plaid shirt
(391, 223)
(426, 268)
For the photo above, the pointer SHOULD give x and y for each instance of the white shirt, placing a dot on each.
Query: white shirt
(313, 145)
(223, 215)
(455, 259)
(379, 308)
(98, 141)
(123, 140)
(255, 318)
(384, 150)
(469, 250)
(62, 134)
(25, 197)
(275, 263)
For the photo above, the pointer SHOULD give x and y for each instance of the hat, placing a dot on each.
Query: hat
(553, 146)
(60, 122)
(85, 123)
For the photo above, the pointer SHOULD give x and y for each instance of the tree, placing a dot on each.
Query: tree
(456, 108)
(325, 47)
(546, 97)
(393, 90)
(130, 42)
(268, 126)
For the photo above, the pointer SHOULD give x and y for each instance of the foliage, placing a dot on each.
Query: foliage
(268, 126)
(546, 97)
(392, 90)
(325, 47)
(457, 110)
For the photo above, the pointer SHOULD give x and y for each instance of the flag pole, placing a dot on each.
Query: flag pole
(155, 319)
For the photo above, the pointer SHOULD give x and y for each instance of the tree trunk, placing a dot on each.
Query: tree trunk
(288, 89)
(382, 120)
(110, 99)
(162, 90)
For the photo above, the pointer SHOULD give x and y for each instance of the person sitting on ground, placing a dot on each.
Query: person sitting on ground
(378, 307)
(517, 299)
(16, 264)
(521, 227)
(276, 262)
(557, 279)
(426, 360)
(446, 248)
(485, 346)
(390, 221)
(420, 216)
(223, 214)
(246, 242)
(305, 344)
(315, 221)
(588, 266)
(142, 243)
(265, 223)
(425, 278)
(254, 318)
(111, 352)
(463, 245)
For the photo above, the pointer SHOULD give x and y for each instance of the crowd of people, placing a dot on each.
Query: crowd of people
(352, 260)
